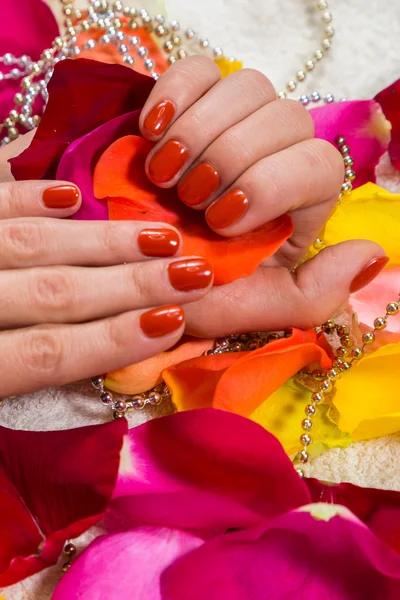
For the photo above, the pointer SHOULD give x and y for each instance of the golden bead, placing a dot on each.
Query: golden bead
(348, 161)
(342, 330)
(13, 133)
(329, 324)
(65, 567)
(300, 76)
(337, 363)
(160, 31)
(58, 42)
(333, 374)
(346, 188)
(317, 374)
(69, 549)
(18, 99)
(357, 353)
(34, 68)
(326, 386)
(344, 149)
(342, 351)
(300, 473)
(392, 308)
(306, 424)
(117, 23)
(350, 174)
(291, 86)
(379, 323)
(47, 55)
(305, 439)
(13, 115)
(340, 140)
(176, 40)
(322, 4)
(168, 46)
(317, 397)
(303, 456)
(310, 410)
(171, 60)
(281, 95)
(347, 341)
(318, 244)
(346, 366)
(368, 338)
(181, 54)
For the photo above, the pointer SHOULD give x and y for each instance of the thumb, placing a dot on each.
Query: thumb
(273, 299)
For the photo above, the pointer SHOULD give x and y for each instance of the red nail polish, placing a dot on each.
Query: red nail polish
(161, 321)
(368, 273)
(227, 210)
(61, 196)
(158, 242)
(167, 162)
(159, 118)
(190, 274)
(198, 185)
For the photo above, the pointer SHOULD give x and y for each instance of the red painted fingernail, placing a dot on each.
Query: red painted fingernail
(227, 210)
(196, 187)
(167, 162)
(368, 273)
(158, 242)
(61, 196)
(159, 118)
(190, 274)
(161, 321)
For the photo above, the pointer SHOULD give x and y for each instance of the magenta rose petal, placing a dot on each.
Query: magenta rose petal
(53, 486)
(365, 129)
(78, 161)
(378, 509)
(202, 469)
(83, 94)
(326, 554)
(33, 29)
(125, 565)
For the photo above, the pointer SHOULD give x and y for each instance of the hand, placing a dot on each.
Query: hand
(245, 158)
(81, 298)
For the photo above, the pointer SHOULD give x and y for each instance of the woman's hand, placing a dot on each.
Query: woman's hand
(80, 298)
(245, 158)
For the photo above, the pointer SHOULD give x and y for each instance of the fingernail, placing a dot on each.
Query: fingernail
(158, 242)
(61, 196)
(227, 210)
(196, 187)
(159, 118)
(166, 163)
(368, 273)
(162, 320)
(191, 274)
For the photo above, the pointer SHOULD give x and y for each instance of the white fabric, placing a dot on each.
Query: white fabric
(275, 37)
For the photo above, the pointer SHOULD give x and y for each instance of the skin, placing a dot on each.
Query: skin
(70, 306)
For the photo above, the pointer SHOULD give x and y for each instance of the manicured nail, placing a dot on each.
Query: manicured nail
(166, 163)
(162, 320)
(158, 242)
(61, 196)
(368, 273)
(198, 186)
(227, 210)
(191, 274)
(159, 118)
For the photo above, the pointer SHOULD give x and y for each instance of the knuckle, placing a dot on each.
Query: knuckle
(323, 156)
(23, 240)
(255, 83)
(141, 282)
(194, 71)
(42, 352)
(297, 117)
(110, 237)
(11, 198)
(117, 334)
(53, 290)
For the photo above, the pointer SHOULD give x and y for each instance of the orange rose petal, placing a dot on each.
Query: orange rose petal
(119, 176)
(241, 382)
(108, 53)
(144, 375)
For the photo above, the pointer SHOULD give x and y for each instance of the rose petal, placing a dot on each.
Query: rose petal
(367, 399)
(228, 66)
(364, 127)
(131, 565)
(120, 176)
(33, 29)
(379, 509)
(53, 486)
(77, 162)
(314, 553)
(203, 469)
(83, 94)
(241, 382)
(389, 99)
(144, 375)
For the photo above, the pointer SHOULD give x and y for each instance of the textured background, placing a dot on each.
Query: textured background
(276, 38)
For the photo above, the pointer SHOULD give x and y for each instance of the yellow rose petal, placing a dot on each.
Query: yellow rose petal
(227, 66)
(282, 413)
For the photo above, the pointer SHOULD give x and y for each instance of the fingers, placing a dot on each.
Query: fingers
(280, 300)
(223, 106)
(55, 355)
(176, 90)
(73, 294)
(34, 242)
(38, 198)
(274, 127)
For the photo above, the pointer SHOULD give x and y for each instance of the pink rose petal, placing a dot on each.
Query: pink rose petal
(364, 128)
(125, 565)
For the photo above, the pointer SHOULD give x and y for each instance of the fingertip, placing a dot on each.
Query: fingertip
(62, 196)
